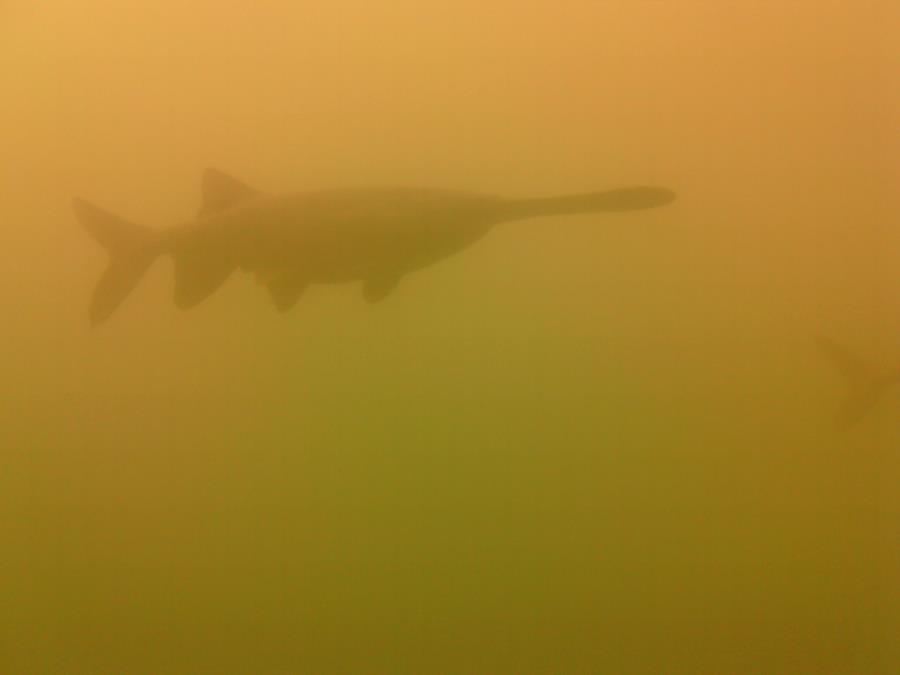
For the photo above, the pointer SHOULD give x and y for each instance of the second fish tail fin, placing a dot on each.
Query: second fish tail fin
(131, 251)
(864, 381)
(624, 199)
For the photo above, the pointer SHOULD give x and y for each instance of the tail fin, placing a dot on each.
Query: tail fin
(130, 254)
(865, 382)
(625, 199)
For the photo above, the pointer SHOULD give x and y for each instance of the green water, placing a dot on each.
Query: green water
(592, 445)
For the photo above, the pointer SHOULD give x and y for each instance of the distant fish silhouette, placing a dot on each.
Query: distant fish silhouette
(866, 383)
(373, 235)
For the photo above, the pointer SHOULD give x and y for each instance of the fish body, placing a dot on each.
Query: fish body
(374, 236)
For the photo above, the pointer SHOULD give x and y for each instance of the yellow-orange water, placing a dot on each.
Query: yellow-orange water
(587, 445)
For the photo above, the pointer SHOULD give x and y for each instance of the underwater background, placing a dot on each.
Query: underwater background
(601, 444)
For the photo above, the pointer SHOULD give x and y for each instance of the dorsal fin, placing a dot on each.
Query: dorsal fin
(220, 192)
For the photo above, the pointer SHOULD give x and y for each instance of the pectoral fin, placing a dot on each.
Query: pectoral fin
(378, 288)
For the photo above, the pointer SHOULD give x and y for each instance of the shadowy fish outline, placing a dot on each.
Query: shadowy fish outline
(375, 236)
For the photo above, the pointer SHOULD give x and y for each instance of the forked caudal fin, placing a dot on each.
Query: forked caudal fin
(131, 252)
(625, 199)
(865, 382)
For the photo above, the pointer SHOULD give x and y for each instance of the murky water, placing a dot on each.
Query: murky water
(597, 444)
